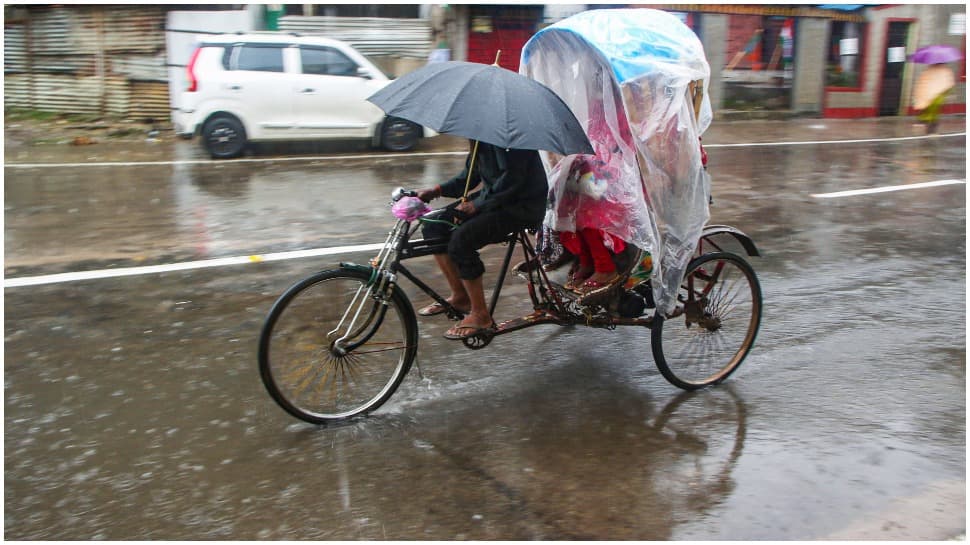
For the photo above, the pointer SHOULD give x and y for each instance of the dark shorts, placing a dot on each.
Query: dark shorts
(472, 235)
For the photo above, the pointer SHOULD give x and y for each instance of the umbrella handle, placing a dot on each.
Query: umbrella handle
(471, 168)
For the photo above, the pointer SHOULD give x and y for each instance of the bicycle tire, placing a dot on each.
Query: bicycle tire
(313, 370)
(706, 339)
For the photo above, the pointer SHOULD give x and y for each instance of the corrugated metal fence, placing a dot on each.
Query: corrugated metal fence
(102, 60)
(372, 36)
(111, 60)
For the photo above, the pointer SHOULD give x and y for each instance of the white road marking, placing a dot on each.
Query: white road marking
(189, 265)
(242, 260)
(885, 189)
(308, 159)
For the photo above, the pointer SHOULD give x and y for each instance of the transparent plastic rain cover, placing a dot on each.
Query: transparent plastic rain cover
(631, 77)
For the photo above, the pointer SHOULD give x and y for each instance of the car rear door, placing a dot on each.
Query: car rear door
(331, 95)
(253, 80)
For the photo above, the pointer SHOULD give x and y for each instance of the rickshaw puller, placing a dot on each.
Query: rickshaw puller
(512, 197)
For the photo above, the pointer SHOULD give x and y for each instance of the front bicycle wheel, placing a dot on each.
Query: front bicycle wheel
(332, 349)
(714, 324)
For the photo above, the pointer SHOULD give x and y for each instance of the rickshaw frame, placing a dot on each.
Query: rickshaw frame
(338, 343)
(379, 290)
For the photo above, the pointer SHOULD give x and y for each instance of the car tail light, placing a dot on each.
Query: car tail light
(190, 69)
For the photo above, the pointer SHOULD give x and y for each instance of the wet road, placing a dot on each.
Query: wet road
(133, 408)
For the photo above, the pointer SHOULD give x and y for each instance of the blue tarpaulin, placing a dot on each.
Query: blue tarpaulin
(632, 41)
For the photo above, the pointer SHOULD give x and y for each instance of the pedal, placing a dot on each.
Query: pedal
(479, 340)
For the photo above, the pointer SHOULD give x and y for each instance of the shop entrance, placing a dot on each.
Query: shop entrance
(894, 63)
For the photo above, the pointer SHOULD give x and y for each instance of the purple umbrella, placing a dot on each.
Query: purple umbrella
(936, 54)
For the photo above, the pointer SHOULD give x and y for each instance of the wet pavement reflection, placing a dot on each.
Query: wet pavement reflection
(134, 409)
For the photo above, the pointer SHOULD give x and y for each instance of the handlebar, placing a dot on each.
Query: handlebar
(399, 193)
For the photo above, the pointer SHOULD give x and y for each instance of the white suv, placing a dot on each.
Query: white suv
(258, 87)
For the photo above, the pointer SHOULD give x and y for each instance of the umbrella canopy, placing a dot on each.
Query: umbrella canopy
(936, 54)
(487, 103)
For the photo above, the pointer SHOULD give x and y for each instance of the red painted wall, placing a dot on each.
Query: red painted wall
(509, 29)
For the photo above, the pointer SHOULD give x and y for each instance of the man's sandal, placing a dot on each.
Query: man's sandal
(436, 308)
(460, 332)
(433, 309)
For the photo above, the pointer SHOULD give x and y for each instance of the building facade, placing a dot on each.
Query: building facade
(825, 60)
(883, 79)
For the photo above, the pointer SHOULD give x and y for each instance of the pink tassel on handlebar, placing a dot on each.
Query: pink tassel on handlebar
(410, 208)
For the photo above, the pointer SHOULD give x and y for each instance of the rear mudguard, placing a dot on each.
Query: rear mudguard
(743, 239)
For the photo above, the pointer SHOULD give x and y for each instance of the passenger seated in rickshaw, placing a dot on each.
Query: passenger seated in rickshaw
(586, 179)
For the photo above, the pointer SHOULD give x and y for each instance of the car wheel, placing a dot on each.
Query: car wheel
(224, 137)
(399, 134)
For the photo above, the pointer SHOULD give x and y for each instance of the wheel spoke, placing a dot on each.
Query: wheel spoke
(725, 306)
(321, 380)
(374, 351)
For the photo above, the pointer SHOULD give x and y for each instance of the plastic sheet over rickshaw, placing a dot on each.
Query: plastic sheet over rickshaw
(338, 343)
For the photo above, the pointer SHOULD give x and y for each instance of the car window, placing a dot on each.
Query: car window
(326, 62)
(260, 58)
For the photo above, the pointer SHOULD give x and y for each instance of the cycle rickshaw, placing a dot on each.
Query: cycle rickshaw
(338, 343)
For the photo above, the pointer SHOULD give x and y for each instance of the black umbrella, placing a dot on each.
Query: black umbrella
(486, 103)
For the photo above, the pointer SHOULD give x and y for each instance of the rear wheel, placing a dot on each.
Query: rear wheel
(224, 137)
(399, 134)
(714, 324)
(331, 350)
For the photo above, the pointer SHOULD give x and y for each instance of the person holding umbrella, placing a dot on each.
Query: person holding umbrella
(930, 93)
(934, 83)
(507, 117)
(512, 197)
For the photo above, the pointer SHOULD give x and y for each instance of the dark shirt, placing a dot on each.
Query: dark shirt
(512, 179)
